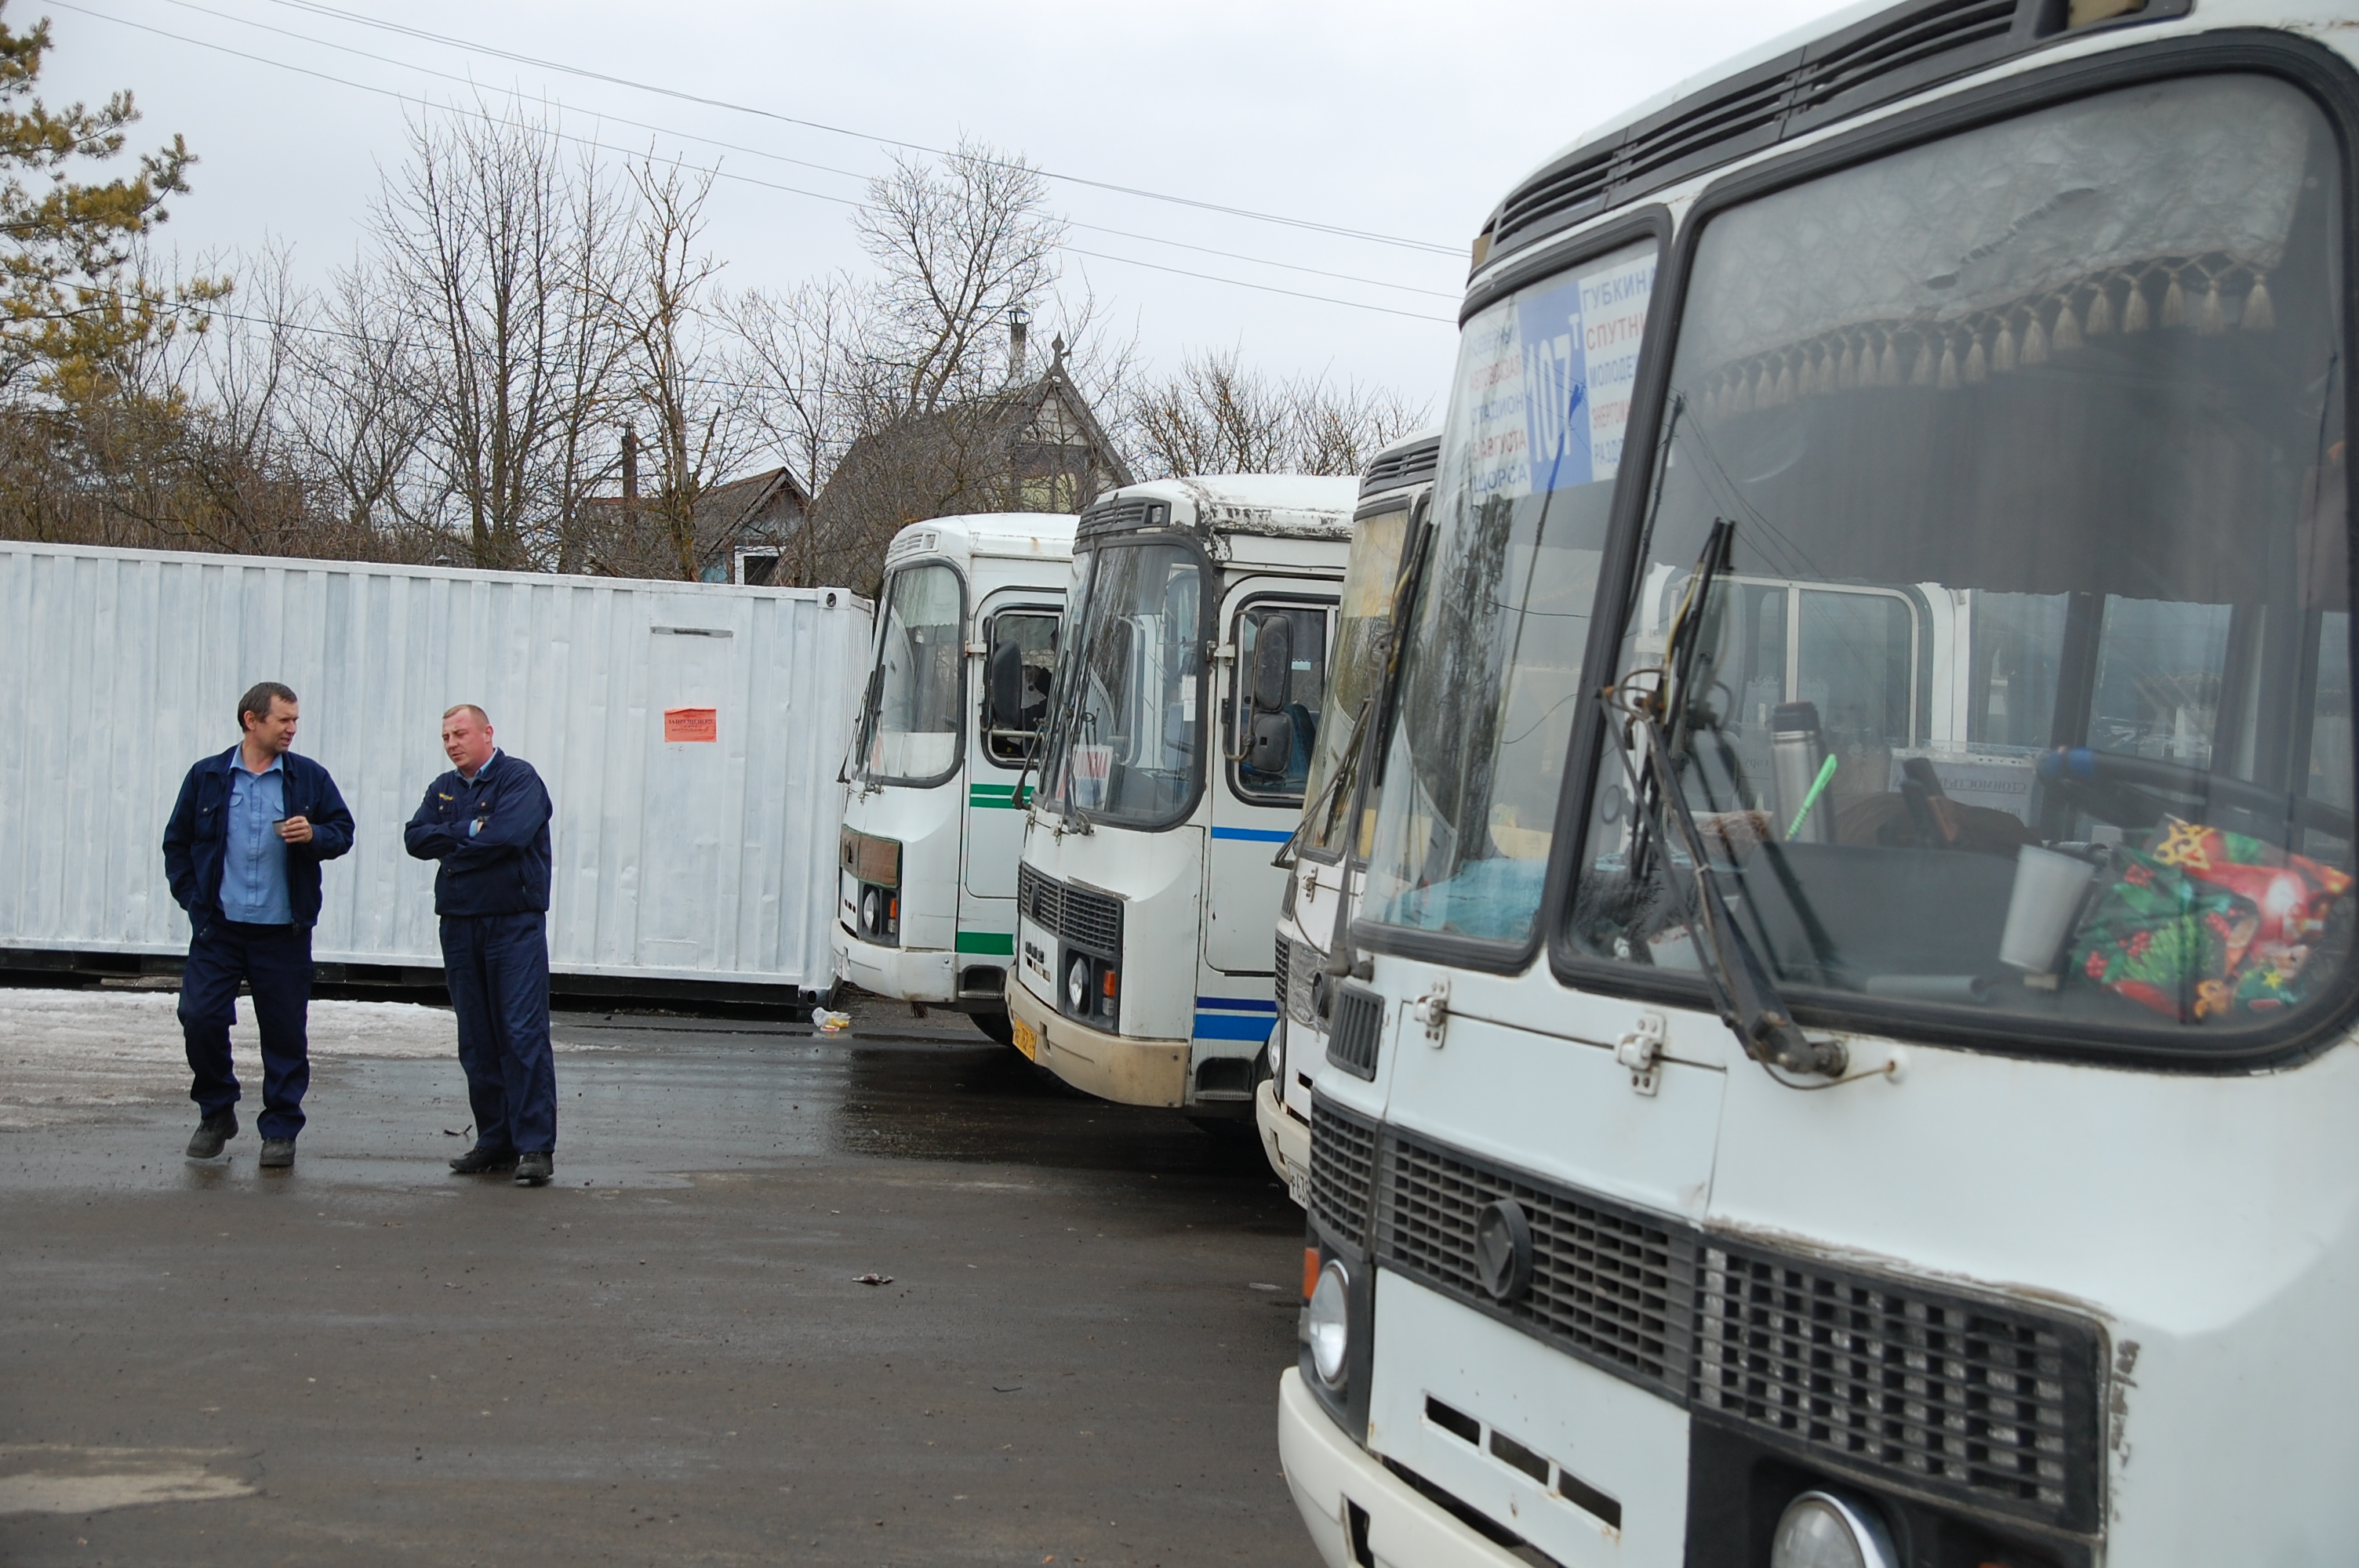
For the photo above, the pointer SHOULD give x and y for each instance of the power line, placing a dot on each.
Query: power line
(717, 173)
(800, 163)
(451, 41)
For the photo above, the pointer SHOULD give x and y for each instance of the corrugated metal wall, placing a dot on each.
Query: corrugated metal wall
(681, 860)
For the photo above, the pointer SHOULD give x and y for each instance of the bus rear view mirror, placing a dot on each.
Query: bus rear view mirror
(1273, 671)
(1007, 684)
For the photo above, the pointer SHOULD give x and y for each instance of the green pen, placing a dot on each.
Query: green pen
(1817, 788)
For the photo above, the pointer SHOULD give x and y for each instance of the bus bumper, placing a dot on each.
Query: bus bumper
(1285, 1139)
(1128, 1072)
(1331, 1475)
(901, 973)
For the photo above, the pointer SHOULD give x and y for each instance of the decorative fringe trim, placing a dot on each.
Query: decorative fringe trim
(2133, 315)
(2174, 304)
(2035, 342)
(2002, 348)
(2210, 316)
(1887, 373)
(1846, 369)
(1949, 377)
(2101, 313)
(1784, 393)
(2260, 314)
(1977, 367)
(2068, 326)
(1921, 374)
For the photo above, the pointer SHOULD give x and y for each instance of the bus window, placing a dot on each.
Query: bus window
(1022, 657)
(2087, 399)
(916, 705)
(1282, 679)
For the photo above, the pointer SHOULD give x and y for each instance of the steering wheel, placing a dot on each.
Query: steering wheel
(2115, 789)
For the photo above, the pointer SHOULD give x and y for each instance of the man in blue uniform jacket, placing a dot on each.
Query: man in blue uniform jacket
(487, 821)
(243, 851)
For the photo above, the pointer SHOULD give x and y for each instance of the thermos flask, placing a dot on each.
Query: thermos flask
(1796, 752)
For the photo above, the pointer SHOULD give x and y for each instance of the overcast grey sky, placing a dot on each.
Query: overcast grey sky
(1398, 119)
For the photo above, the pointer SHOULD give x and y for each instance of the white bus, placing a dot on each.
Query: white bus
(1182, 725)
(966, 639)
(1748, 1151)
(1322, 861)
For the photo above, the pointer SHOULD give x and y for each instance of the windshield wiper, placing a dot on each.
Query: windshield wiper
(1746, 997)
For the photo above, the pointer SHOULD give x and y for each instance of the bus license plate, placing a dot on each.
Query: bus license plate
(1298, 1185)
(1025, 1041)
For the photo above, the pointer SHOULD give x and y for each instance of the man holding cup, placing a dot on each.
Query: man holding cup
(243, 852)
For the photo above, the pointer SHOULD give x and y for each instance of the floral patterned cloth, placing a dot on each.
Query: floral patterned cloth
(2200, 923)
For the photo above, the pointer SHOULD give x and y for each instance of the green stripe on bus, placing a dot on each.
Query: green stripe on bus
(998, 944)
(991, 796)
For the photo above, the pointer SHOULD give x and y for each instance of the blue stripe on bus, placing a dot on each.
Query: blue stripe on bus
(1254, 835)
(1229, 1026)
(1235, 1004)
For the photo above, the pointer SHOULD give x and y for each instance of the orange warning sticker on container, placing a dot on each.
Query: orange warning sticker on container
(691, 724)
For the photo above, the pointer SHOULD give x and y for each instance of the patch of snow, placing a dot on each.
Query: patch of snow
(64, 1054)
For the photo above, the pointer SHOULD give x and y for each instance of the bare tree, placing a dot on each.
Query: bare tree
(496, 249)
(959, 243)
(685, 380)
(1215, 415)
(803, 347)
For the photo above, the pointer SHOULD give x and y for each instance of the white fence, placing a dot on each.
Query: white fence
(679, 859)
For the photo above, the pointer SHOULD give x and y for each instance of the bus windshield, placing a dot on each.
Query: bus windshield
(2026, 688)
(1126, 746)
(1362, 637)
(915, 712)
(1491, 681)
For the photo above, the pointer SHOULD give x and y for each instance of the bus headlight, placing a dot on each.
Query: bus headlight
(1077, 984)
(1821, 1529)
(1326, 1323)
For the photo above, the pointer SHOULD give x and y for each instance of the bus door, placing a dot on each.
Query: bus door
(1019, 642)
(1269, 723)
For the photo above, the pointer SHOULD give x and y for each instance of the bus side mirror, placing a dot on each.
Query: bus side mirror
(1272, 671)
(1007, 684)
(1270, 751)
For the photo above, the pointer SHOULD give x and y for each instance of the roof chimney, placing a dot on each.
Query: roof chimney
(1020, 321)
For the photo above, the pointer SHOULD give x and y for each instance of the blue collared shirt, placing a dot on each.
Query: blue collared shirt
(477, 825)
(253, 858)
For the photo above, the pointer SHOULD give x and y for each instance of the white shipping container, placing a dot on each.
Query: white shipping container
(675, 859)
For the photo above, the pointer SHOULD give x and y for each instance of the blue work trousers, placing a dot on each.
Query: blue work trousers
(497, 967)
(276, 961)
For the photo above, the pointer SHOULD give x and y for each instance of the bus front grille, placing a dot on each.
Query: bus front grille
(1972, 1400)
(1039, 900)
(1357, 1029)
(1086, 919)
(1969, 1399)
(1608, 1284)
(1343, 1173)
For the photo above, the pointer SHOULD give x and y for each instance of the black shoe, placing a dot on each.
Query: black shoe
(534, 1170)
(211, 1133)
(479, 1161)
(277, 1154)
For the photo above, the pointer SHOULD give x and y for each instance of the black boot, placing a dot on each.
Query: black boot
(277, 1154)
(211, 1133)
(534, 1170)
(479, 1161)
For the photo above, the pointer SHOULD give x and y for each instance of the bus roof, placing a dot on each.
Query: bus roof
(1045, 535)
(1408, 462)
(1862, 58)
(1277, 505)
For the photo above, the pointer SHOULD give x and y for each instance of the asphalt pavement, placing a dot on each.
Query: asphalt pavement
(668, 1355)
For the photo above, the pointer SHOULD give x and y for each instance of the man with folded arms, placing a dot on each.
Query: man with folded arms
(487, 822)
(243, 852)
